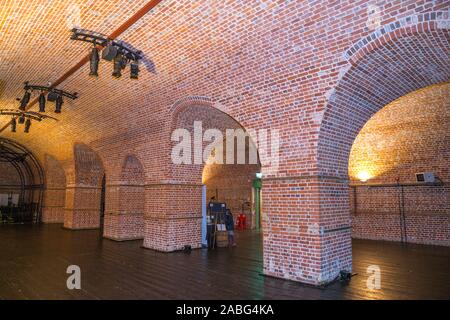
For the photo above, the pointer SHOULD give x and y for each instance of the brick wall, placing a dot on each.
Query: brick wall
(125, 200)
(9, 178)
(315, 70)
(233, 185)
(408, 136)
(83, 190)
(54, 192)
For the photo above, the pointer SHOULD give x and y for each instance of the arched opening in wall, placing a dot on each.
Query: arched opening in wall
(84, 190)
(397, 59)
(21, 184)
(203, 171)
(238, 185)
(399, 171)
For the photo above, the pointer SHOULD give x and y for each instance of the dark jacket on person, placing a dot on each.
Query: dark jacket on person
(229, 224)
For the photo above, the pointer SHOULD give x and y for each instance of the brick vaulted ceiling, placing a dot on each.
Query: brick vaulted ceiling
(219, 49)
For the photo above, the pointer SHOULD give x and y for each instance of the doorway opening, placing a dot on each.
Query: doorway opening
(21, 184)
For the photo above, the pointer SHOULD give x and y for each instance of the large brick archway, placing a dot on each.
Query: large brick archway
(83, 190)
(173, 206)
(398, 58)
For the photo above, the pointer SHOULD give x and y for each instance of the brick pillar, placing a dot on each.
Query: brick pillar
(53, 206)
(172, 217)
(82, 210)
(124, 212)
(307, 235)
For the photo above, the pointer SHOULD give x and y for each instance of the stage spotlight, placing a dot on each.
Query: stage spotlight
(25, 100)
(52, 96)
(13, 125)
(134, 70)
(42, 102)
(59, 103)
(27, 126)
(118, 66)
(95, 59)
(110, 52)
(22, 119)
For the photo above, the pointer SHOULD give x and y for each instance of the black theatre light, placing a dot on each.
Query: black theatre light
(118, 66)
(95, 59)
(42, 102)
(52, 96)
(58, 104)
(25, 100)
(119, 52)
(110, 52)
(23, 117)
(13, 124)
(27, 126)
(134, 70)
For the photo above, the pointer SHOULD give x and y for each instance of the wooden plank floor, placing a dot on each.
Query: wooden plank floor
(33, 262)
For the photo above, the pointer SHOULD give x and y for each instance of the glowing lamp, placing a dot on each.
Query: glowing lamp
(363, 176)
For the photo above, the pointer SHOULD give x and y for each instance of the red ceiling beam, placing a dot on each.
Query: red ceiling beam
(121, 29)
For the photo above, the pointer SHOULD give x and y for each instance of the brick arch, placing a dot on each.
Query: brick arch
(132, 171)
(84, 189)
(396, 59)
(379, 71)
(173, 211)
(124, 212)
(89, 168)
(197, 108)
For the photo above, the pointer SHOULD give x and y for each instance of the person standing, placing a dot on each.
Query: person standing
(229, 225)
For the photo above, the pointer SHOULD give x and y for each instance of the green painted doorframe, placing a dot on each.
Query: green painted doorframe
(257, 184)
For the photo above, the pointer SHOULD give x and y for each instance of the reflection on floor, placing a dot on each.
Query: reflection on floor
(34, 259)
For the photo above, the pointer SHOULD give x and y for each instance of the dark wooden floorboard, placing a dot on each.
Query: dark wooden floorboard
(34, 259)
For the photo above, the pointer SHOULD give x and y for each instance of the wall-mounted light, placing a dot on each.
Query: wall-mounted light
(364, 176)
(259, 175)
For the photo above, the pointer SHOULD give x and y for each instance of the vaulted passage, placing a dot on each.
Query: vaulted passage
(312, 135)
(21, 184)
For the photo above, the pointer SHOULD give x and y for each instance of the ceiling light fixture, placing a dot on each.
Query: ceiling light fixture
(42, 102)
(113, 50)
(54, 95)
(95, 60)
(25, 117)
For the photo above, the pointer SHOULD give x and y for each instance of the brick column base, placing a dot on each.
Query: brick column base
(53, 208)
(53, 214)
(305, 240)
(123, 226)
(172, 217)
(82, 209)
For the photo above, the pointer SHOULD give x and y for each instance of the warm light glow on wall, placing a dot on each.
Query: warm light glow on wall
(396, 141)
(364, 176)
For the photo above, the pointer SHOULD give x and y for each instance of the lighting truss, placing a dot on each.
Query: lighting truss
(49, 89)
(26, 114)
(100, 39)
(117, 51)
(54, 94)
